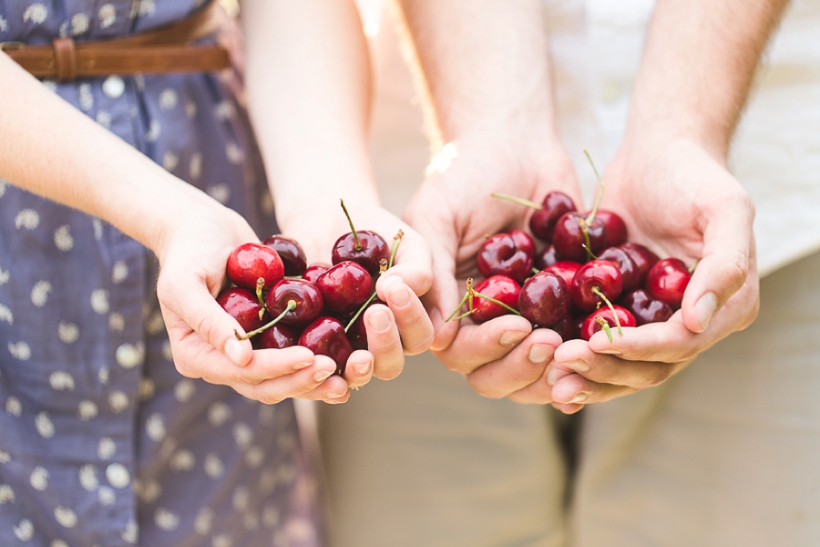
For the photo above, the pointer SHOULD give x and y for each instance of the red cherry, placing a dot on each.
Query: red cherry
(313, 271)
(291, 253)
(591, 325)
(326, 336)
(498, 287)
(545, 257)
(243, 306)
(250, 262)
(542, 222)
(544, 299)
(372, 249)
(568, 237)
(643, 258)
(507, 253)
(277, 337)
(345, 287)
(615, 227)
(629, 272)
(305, 294)
(566, 328)
(357, 333)
(597, 274)
(667, 280)
(646, 309)
(565, 269)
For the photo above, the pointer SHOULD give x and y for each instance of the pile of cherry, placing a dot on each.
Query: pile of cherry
(586, 277)
(280, 301)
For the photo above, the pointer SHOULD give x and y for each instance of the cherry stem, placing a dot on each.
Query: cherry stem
(291, 305)
(586, 244)
(361, 309)
(463, 315)
(692, 268)
(589, 251)
(520, 201)
(605, 326)
(600, 189)
(597, 291)
(467, 296)
(357, 246)
(260, 284)
(536, 271)
(396, 242)
(494, 301)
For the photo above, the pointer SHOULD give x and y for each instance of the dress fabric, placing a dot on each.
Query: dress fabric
(102, 441)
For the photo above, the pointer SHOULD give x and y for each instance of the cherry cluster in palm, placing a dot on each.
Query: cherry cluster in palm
(280, 301)
(586, 276)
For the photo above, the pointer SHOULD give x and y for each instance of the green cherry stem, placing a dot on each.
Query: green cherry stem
(535, 271)
(460, 305)
(290, 306)
(586, 245)
(520, 201)
(692, 268)
(605, 326)
(597, 291)
(357, 246)
(494, 301)
(600, 195)
(358, 313)
(463, 315)
(396, 242)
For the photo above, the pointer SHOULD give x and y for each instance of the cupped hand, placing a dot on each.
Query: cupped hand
(401, 327)
(680, 201)
(454, 209)
(193, 252)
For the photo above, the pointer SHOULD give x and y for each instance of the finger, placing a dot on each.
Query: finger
(536, 393)
(609, 369)
(293, 385)
(574, 389)
(384, 342)
(567, 409)
(415, 327)
(332, 391)
(442, 299)
(189, 300)
(726, 263)
(476, 345)
(359, 368)
(413, 264)
(519, 368)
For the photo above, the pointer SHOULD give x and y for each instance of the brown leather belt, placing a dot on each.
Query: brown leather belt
(162, 50)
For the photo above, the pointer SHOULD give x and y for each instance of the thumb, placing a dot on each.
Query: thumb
(188, 297)
(728, 256)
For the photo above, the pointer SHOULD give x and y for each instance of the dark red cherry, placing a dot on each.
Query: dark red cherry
(243, 306)
(345, 287)
(291, 253)
(313, 271)
(591, 325)
(357, 333)
(372, 248)
(615, 227)
(568, 238)
(326, 336)
(566, 328)
(545, 257)
(252, 261)
(596, 274)
(646, 309)
(305, 294)
(629, 272)
(544, 299)
(498, 287)
(277, 337)
(507, 253)
(643, 258)
(542, 222)
(667, 280)
(565, 269)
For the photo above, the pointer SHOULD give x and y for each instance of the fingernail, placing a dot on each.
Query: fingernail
(304, 364)
(322, 375)
(611, 351)
(331, 395)
(554, 375)
(379, 321)
(233, 351)
(705, 308)
(400, 297)
(539, 353)
(512, 337)
(579, 398)
(363, 368)
(577, 366)
(333, 402)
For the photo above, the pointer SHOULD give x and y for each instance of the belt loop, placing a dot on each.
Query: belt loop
(66, 58)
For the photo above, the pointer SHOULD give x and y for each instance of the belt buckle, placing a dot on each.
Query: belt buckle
(8, 46)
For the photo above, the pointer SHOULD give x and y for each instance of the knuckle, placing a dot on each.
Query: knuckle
(657, 375)
(484, 389)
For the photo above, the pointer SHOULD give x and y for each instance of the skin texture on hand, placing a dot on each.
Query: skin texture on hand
(682, 203)
(455, 211)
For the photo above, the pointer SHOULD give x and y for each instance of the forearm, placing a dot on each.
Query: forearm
(699, 61)
(485, 66)
(309, 95)
(51, 149)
